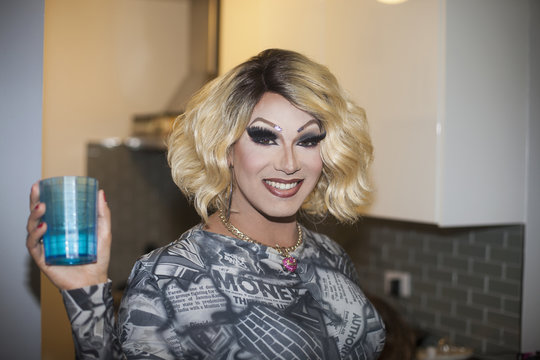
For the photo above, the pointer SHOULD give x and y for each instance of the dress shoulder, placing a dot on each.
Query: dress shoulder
(169, 259)
(332, 254)
(325, 242)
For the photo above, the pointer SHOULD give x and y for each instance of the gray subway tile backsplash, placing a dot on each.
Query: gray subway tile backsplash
(512, 272)
(508, 256)
(452, 322)
(439, 305)
(514, 238)
(489, 237)
(486, 300)
(436, 246)
(511, 306)
(476, 251)
(470, 312)
(453, 262)
(486, 268)
(440, 276)
(505, 287)
(474, 281)
(425, 258)
(466, 282)
(412, 240)
(492, 333)
(455, 293)
(510, 337)
(508, 321)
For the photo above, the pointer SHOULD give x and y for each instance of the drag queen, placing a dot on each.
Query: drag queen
(272, 139)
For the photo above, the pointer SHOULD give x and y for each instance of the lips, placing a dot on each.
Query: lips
(283, 188)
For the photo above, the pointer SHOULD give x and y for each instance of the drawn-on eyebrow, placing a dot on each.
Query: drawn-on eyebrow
(312, 121)
(268, 122)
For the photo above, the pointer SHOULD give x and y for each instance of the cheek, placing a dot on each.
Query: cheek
(313, 163)
(247, 159)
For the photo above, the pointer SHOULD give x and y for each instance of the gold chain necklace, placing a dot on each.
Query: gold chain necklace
(289, 262)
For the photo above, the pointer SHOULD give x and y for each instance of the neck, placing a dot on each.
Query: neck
(267, 231)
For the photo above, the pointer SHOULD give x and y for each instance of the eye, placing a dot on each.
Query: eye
(261, 135)
(310, 140)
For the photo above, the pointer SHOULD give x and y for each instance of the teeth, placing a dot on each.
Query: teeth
(281, 186)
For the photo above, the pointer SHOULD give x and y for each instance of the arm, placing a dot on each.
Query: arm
(90, 311)
(88, 300)
(143, 330)
(86, 294)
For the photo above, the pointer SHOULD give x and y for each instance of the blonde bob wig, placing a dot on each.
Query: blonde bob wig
(217, 115)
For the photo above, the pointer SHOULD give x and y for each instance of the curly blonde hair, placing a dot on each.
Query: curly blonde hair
(217, 115)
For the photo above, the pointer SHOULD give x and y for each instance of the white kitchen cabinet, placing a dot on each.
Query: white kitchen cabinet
(444, 84)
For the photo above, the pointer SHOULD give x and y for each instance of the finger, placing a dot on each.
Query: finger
(34, 195)
(33, 243)
(104, 214)
(104, 224)
(102, 203)
(35, 215)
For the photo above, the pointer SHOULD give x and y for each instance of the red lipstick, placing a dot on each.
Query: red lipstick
(283, 188)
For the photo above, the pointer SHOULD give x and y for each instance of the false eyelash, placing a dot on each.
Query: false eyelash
(309, 140)
(261, 135)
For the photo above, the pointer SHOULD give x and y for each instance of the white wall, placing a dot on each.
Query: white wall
(530, 329)
(21, 57)
(104, 62)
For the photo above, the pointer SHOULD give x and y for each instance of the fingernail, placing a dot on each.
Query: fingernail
(40, 225)
(36, 207)
(104, 198)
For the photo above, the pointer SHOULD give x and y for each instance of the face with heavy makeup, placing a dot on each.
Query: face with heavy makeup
(276, 161)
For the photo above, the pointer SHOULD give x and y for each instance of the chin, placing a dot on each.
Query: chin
(278, 212)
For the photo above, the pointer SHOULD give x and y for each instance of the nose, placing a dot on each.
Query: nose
(287, 161)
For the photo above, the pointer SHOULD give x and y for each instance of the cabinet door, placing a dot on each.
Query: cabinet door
(484, 113)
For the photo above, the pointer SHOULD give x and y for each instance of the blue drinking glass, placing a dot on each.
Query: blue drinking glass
(71, 218)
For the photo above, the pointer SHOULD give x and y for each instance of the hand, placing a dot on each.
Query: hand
(69, 277)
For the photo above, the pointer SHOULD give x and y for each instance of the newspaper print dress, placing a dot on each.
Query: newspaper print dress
(210, 296)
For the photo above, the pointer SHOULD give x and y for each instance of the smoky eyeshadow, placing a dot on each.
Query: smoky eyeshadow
(261, 135)
(312, 138)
